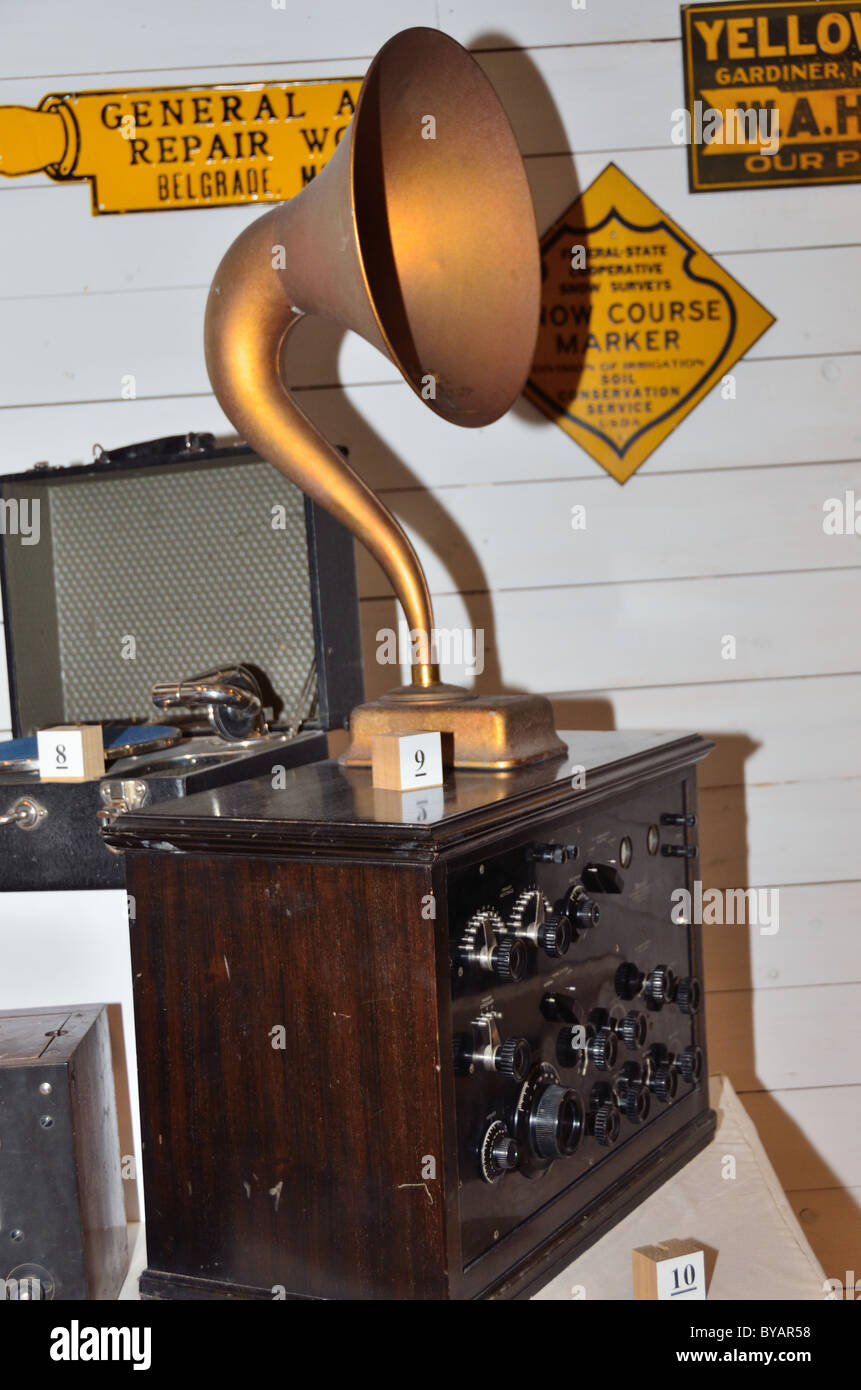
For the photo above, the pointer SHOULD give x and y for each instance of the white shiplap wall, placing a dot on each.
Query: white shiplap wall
(719, 532)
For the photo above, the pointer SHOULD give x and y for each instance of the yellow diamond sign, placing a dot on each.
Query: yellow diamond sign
(638, 323)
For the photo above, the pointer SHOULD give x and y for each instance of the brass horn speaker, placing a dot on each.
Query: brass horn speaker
(420, 235)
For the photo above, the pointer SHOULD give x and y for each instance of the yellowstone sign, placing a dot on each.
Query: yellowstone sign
(773, 94)
(638, 323)
(156, 150)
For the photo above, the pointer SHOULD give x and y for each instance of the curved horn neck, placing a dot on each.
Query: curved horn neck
(253, 304)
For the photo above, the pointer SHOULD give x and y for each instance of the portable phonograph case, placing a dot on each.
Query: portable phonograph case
(157, 562)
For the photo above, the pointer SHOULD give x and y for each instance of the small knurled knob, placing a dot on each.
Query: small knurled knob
(509, 958)
(688, 995)
(513, 1058)
(690, 1063)
(660, 987)
(632, 1030)
(664, 1081)
(585, 913)
(633, 1094)
(602, 1050)
(505, 1153)
(606, 1125)
(555, 936)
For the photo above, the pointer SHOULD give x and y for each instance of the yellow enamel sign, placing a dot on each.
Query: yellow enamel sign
(774, 93)
(155, 150)
(637, 324)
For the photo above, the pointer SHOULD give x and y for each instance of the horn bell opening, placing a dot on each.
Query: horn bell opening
(445, 227)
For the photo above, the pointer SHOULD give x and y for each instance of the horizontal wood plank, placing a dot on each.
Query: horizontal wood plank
(787, 833)
(785, 412)
(110, 254)
(583, 639)
(816, 943)
(787, 1039)
(37, 41)
(593, 532)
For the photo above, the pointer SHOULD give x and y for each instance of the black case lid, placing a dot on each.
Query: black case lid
(163, 560)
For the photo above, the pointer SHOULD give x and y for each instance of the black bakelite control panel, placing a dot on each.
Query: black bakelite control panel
(576, 1006)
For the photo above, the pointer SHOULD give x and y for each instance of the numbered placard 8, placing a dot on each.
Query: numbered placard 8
(71, 753)
(405, 762)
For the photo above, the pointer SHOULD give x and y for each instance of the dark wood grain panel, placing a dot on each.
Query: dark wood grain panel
(299, 1166)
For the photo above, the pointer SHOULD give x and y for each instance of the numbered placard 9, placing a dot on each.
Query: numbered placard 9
(404, 762)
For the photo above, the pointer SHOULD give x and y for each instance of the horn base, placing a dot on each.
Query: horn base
(492, 732)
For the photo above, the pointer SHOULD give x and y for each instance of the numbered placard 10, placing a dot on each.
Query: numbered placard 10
(671, 1271)
(403, 762)
(71, 753)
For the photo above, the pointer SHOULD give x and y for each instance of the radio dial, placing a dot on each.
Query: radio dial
(500, 1153)
(532, 919)
(486, 944)
(556, 1122)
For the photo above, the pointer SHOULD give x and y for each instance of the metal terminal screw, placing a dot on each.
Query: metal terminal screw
(46, 1121)
(16, 1235)
(46, 1088)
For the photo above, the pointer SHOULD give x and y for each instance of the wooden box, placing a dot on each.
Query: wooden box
(62, 1214)
(351, 1085)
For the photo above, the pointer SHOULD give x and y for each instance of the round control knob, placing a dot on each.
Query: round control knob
(632, 1030)
(606, 1125)
(690, 1064)
(559, 1008)
(628, 981)
(556, 1122)
(664, 1080)
(513, 1058)
(509, 959)
(660, 987)
(505, 1153)
(587, 913)
(555, 936)
(633, 1094)
(499, 1154)
(602, 1049)
(688, 995)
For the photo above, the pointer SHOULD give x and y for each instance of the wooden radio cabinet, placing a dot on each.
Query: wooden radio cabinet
(418, 1046)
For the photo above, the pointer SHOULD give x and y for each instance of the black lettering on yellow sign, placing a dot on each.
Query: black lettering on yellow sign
(773, 94)
(147, 150)
(637, 324)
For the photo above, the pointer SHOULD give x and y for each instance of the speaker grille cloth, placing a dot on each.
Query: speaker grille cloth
(189, 566)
